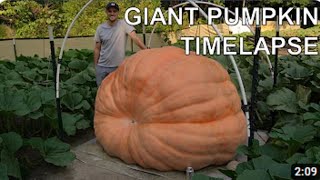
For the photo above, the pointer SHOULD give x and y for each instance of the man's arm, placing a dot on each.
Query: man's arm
(97, 49)
(136, 40)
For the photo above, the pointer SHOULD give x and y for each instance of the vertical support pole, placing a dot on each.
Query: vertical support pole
(54, 67)
(14, 48)
(131, 45)
(273, 114)
(144, 33)
(276, 55)
(255, 82)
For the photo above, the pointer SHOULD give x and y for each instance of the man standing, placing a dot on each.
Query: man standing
(111, 38)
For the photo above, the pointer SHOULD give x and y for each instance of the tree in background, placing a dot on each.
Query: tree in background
(30, 18)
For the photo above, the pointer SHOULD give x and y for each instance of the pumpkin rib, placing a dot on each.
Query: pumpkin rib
(115, 86)
(103, 109)
(169, 112)
(177, 93)
(174, 153)
(135, 155)
(194, 135)
(169, 121)
(145, 155)
(132, 73)
(199, 157)
(153, 156)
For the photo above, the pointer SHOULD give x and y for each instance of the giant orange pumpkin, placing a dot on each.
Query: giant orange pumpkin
(166, 110)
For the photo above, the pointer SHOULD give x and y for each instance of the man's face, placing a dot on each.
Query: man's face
(112, 14)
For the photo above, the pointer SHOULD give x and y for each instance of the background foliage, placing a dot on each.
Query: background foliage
(30, 18)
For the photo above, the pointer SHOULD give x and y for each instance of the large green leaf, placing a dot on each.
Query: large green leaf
(311, 116)
(54, 145)
(31, 75)
(275, 169)
(35, 115)
(3, 68)
(48, 95)
(297, 71)
(53, 151)
(12, 164)
(3, 172)
(303, 94)
(57, 152)
(80, 78)
(72, 100)
(313, 63)
(11, 141)
(273, 151)
(314, 154)
(315, 106)
(295, 158)
(288, 119)
(38, 63)
(283, 99)
(254, 174)
(265, 85)
(10, 100)
(60, 159)
(84, 105)
(316, 84)
(50, 112)
(78, 65)
(69, 122)
(91, 71)
(12, 75)
(252, 151)
(83, 124)
(51, 115)
(298, 133)
(30, 103)
(198, 176)
(21, 66)
(244, 166)
(37, 143)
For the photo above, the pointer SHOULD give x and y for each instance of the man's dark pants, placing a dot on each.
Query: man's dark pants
(102, 72)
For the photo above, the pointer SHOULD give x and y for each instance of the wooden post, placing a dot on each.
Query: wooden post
(14, 48)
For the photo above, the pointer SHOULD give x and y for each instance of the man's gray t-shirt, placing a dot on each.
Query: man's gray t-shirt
(113, 41)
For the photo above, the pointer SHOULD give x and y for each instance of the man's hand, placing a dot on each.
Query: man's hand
(136, 40)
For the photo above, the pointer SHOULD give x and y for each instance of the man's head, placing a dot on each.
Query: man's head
(112, 10)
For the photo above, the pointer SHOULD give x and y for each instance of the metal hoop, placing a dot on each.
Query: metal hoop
(214, 27)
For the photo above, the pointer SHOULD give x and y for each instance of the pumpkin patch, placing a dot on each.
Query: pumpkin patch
(166, 110)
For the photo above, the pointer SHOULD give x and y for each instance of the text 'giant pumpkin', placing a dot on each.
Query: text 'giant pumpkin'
(166, 110)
